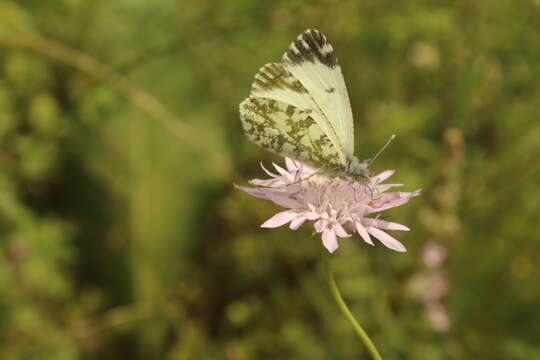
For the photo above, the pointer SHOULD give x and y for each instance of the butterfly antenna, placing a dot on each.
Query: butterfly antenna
(382, 149)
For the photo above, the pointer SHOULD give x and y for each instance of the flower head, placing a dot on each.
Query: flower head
(337, 206)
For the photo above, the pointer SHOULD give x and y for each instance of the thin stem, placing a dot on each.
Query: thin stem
(345, 310)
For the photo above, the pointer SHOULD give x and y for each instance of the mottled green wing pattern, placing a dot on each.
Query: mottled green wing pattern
(274, 76)
(273, 81)
(288, 131)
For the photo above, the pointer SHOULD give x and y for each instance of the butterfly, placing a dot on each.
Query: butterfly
(300, 108)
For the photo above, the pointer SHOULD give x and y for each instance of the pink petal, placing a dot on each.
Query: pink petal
(379, 178)
(268, 172)
(312, 216)
(324, 204)
(320, 224)
(385, 225)
(299, 166)
(339, 230)
(386, 239)
(292, 165)
(363, 233)
(266, 183)
(329, 240)
(385, 187)
(282, 199)
(257, 192)
(281, 170)
(279, 219)
(390, 200)
(295, 224)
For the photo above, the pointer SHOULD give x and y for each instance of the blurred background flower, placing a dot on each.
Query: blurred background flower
(122, 237)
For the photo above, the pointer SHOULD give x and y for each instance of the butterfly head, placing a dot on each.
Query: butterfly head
(359, 170)
(356, 169)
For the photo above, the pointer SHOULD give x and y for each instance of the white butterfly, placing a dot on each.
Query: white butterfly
(300, 108)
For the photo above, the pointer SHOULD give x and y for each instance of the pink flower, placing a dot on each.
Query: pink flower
(434, 254)
(438, 317)
(337, 206)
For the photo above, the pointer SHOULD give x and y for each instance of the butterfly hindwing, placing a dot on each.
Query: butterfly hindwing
(311, 60)
(287, 130)
(274, 81)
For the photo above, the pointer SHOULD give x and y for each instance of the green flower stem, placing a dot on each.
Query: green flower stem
(345, 310)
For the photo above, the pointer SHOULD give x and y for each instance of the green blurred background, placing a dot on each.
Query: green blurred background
(122, 237)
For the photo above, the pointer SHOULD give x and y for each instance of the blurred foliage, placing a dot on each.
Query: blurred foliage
(119, 239)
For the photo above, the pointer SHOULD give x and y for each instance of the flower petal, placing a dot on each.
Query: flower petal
(384, 225)
(384, 187)
(386, 239)
(281, 170)
(282, 199)
(268, 172)
(257, 192)
(279, 219)
(297, 165)
(329, 240)
(339, 230)
(273, 183)
(292, 165)
(379, 178)
(390, 200)
(363, 233)
(312, 215)
(297, 222)
(320, 224)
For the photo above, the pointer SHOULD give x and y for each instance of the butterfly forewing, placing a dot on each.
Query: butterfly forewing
(311, 60)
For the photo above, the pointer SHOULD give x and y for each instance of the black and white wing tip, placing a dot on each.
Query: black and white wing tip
(311, 46)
